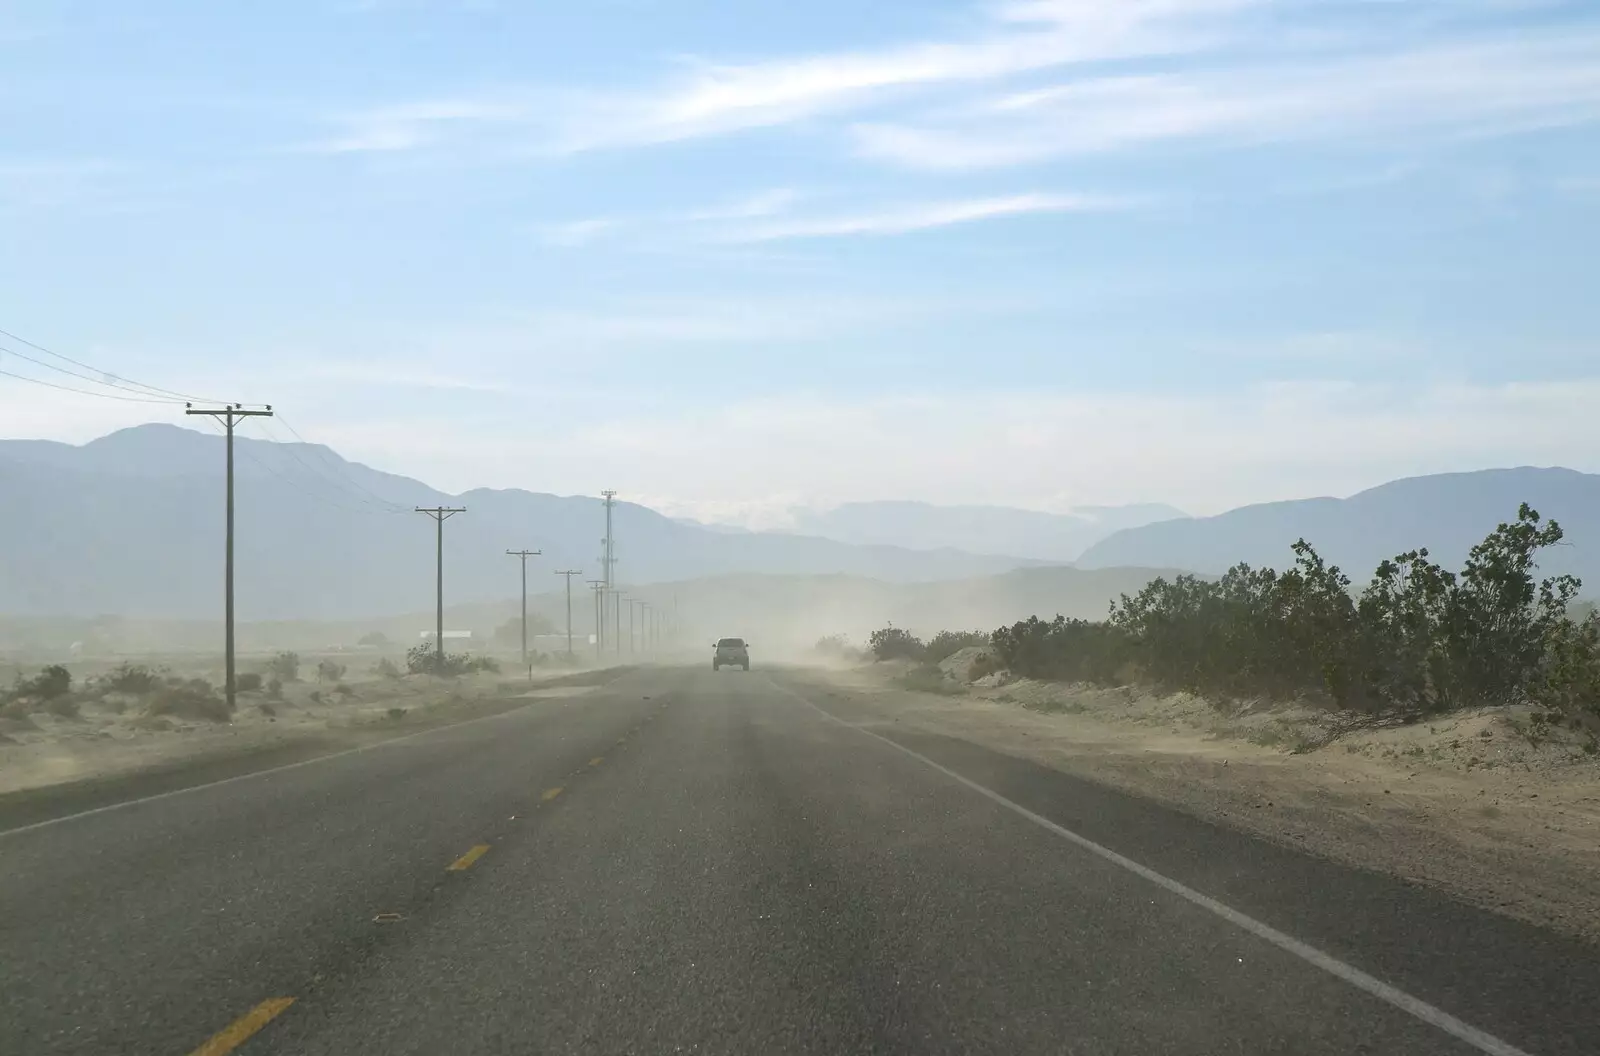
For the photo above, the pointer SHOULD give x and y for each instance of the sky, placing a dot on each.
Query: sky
(728, 258)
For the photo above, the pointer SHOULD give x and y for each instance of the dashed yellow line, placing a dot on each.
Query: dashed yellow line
(551, 793)
(243, 1028)
(466, 860)
(597, 760)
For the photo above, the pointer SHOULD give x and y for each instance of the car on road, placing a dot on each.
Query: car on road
(731, 652)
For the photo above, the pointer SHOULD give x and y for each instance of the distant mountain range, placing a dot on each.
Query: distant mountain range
(132, 524)
(1054, 537)
(1447, 513)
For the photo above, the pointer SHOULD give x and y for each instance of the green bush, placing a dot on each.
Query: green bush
(948, 643)
(50, 683)
(386, 668)
(192, 699)
(330, 671)
(132, 678)
(249, 682)
(894, 643)
(285, 667)
(1417, 639)
(274, 689)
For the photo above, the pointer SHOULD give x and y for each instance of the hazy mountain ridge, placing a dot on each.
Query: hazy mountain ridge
(132, 523)
(1055, 537)
(1447, 513)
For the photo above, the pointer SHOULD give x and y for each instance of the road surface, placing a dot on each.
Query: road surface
(682, 861)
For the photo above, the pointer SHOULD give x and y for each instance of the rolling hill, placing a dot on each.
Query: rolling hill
(1447, 513)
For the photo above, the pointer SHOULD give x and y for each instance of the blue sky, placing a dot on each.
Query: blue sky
(729, 257)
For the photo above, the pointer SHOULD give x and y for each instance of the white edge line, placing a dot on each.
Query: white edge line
(120, 804)
(1420, 1009)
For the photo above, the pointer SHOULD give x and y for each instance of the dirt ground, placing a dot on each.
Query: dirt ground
(1487, 805)
(115, 733)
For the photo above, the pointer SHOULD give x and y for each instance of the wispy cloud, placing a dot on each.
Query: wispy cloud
(1014, 38)
(1460, 89)
(412, 125)
(904, 219)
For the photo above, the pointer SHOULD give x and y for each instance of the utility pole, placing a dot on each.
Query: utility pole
(569, 573)
(440, 514)
(596, 585)
(616, 611)
(229, 416)
(524, 554)
(608, 558)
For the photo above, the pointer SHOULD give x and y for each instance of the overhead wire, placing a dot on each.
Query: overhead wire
(344, 482)
(222, 430)
(119, 382)
(90, 392)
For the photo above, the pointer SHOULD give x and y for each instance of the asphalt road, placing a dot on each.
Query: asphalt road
(687, 862)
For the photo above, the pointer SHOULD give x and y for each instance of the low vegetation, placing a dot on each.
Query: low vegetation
(424, 659)
(1417, 640)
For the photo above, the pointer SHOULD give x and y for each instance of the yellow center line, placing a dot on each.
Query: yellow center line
(597, 760)
(551, 793)
(466, 860)
(241, 1029)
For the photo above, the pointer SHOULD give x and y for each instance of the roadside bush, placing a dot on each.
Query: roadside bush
(274, 689)
(343, 690)
(131, 678)
(52, 682)
(1417, 639)
(63, 706)
(192, 699)
(894, 643)
(386, 668)
(947, 643)
(330, 671)
(423, 659)
(249, 682)
(285, 667)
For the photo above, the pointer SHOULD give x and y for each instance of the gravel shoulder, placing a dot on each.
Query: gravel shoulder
(1487, 806)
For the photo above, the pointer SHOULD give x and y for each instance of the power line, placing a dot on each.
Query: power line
(341, 470)
(386, 507)
(110, 381)
(90, 392)
(155, 389)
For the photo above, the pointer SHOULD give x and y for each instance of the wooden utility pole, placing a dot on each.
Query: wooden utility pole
(598, 586)
(440, 514)
(525, 554)
(569, 573)
(229, 416)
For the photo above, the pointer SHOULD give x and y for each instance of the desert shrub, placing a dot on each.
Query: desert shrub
(343, 690)
(948, 643)
(275, 689)
(1062, 650)
(249, 682)
(194, 698)
(424, 659)
(490, 665)
(49, 684)
(285, 667)
(386, 668)
(131, 678)
(330, 671)
(63, 706)
(1417, 639)
(895, 643)
(316, 697)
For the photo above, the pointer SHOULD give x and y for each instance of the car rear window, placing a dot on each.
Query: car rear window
(731, 643)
